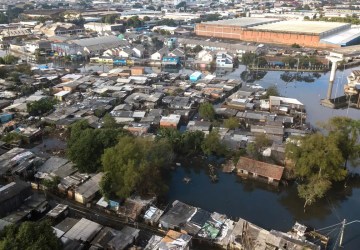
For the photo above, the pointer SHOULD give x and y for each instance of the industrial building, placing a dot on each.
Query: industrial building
(267, 30)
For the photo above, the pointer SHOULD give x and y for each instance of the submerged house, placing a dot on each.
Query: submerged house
(269, 173)
(224, 60)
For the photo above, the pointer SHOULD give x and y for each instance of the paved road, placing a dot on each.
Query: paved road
(100, 216)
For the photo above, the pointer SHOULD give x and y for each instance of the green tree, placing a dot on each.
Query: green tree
(248, 58)
(212, 144)
(255, 148)
(231, 123)
(146, 18)
(136, 165)
(173, 136)
(291, 61)
(271, 91)
(106, 185)
(181, 5)
(110, 19)
(191, 142)
(29, 236)
(167, 22)
(86, 145)
(150, 7)
(52, 183)
(316, 156)
(134, 22)
(3, 18)
(24, 69)
(206, 111)
(197, 49)
(13, 137)
(261, 61)
(109, 122)
(345, 132)
(10, 59)
(40, 107)
(315, 189)
(295, 45)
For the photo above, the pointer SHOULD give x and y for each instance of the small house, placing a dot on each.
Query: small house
(259, 170)
(224, 60)
(171, 121)
(158, 55)
(205, 56)
(195, 76)
(170, 61)
(87, 191)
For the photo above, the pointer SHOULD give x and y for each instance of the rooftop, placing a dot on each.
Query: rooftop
(84, 230)
(12, 189)
(244, 22)
(90, 187)
(177, 215)
(343, 38)
(303, 27)
(260, 168)
(174, 240)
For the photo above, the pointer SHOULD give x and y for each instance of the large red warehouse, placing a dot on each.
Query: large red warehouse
(266, 30)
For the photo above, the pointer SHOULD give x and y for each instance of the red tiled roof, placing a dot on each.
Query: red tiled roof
(260, 168)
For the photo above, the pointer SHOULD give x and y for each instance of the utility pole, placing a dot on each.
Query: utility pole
(342, 232)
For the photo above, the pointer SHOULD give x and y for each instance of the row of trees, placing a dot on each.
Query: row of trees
(348, 19)
(253, 59)
(320, 159)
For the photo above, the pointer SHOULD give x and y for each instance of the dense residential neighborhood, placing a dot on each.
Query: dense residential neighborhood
(134, 124)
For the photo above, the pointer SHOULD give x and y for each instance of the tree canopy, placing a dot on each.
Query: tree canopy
(345, 132)
(29, 236)
(271, 91)
(86, 145)
(40, 107)
(231, 123)
(110, 19)
(134, 22)
(318, 161)
(248, 58)
(206, 111)
(212, 144)
(136, 165)
(186, 144)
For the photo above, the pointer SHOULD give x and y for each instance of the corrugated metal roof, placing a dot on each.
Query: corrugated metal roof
(342, 38)
(243, 22)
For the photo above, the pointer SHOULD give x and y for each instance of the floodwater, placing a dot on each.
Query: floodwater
(278, 208)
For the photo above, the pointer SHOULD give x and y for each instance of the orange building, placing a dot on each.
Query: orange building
(265, 30)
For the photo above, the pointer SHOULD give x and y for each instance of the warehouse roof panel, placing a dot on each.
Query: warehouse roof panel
(343, 38)
(244, 22)
(305, 27)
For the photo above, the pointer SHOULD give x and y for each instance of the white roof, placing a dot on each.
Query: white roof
(62, 93)
(286, 100)
(171, 118)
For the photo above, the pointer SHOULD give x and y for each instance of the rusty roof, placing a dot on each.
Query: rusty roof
(260, 168)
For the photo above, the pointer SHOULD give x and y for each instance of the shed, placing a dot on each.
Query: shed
(177, 216)
(124, 238)
(87, 191)
(84, 230)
